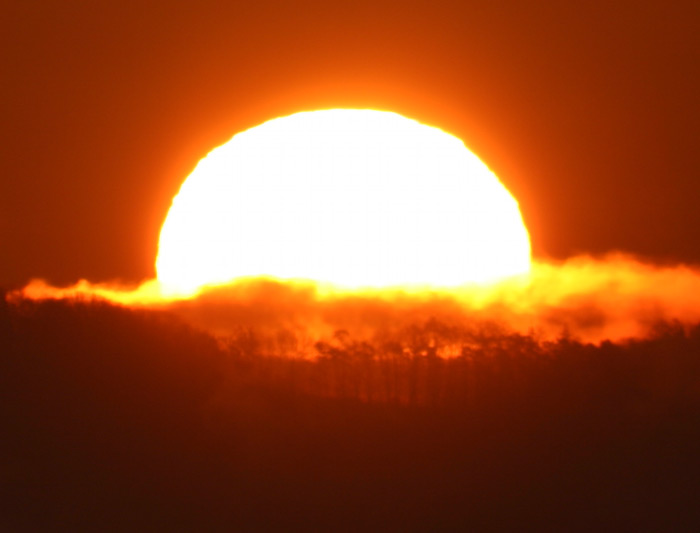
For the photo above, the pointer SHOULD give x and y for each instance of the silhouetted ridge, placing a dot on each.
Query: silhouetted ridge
(118, 419)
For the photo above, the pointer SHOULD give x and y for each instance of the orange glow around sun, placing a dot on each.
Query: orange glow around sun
(372, 224)
(354, 198)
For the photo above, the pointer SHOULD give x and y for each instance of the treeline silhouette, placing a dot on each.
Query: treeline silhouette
(117, 419)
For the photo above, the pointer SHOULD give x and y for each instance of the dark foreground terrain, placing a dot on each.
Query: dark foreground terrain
(123, 420)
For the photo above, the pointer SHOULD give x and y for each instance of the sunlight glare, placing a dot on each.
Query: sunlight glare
(356, 198)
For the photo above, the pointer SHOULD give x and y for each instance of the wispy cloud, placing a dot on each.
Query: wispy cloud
(590, 299)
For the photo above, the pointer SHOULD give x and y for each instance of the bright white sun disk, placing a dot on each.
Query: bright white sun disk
(357, 198)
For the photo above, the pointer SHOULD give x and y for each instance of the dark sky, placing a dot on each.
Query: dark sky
(589, 114)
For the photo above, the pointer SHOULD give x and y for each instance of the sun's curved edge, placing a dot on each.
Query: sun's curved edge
(190, 289)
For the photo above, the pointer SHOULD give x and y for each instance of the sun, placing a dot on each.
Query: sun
(354, 198)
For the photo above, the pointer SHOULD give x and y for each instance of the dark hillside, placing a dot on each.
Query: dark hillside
(123, 420)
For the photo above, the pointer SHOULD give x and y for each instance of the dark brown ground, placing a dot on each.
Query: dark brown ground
(117, 420)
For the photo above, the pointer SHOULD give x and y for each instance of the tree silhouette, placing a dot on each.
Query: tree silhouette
(134, 416)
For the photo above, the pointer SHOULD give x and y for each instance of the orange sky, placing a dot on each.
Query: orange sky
(588, 113)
